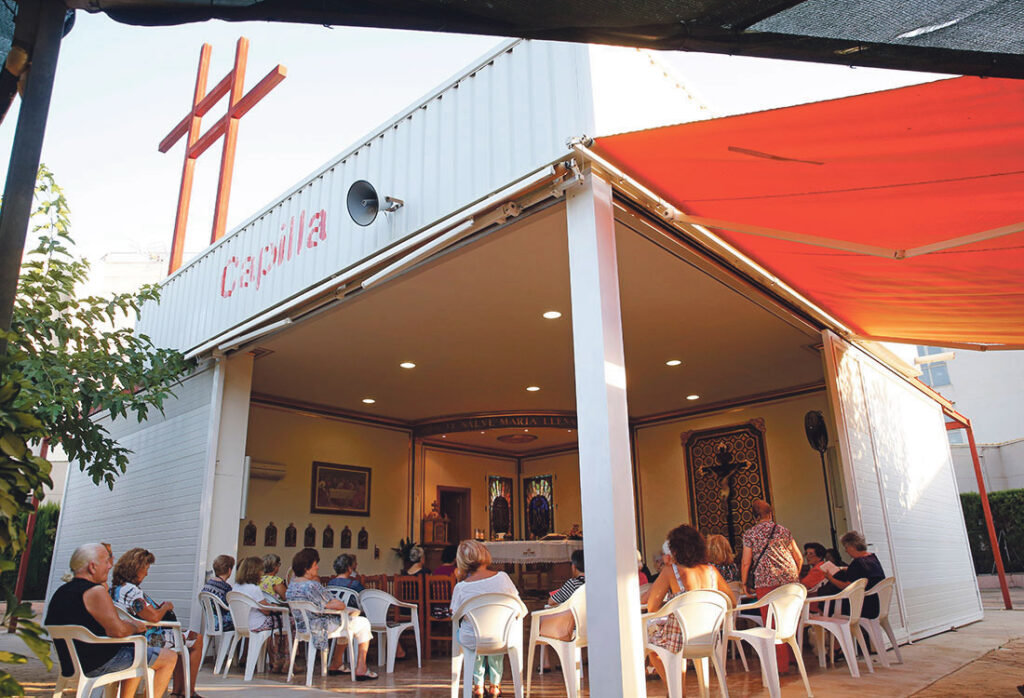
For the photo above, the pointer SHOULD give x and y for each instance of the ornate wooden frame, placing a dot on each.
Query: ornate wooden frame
(746, 442)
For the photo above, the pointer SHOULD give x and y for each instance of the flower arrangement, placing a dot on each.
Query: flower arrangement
(404, 546)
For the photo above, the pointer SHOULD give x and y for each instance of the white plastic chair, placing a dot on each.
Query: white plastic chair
(497, 623)
(846, 629)
(701, 618)
(785, 609)
(375, 605)
(138, 669)
(213, 629)
(874, 626)
(302, 611)
(569, 652)
(179, 642)
(240, 605)
(345, 595)
(728, 632)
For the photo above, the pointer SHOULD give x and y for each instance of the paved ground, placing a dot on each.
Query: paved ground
(982, 659)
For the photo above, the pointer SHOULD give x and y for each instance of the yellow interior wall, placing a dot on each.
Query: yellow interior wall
(296, 440)
(794, 470)
(461, 469)
(566, 486)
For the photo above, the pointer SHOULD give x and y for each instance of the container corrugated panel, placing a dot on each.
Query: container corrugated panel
(511, 113)
(157, 502)
(905, 495)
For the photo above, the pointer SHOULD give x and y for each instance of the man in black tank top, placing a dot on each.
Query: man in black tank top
(85, 601)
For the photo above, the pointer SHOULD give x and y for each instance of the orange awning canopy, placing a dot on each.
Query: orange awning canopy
(901, 213)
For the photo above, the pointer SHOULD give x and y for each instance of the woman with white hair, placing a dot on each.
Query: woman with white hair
(864, 565)
(416, 562)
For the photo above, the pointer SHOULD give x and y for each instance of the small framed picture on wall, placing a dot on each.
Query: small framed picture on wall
(340, 489)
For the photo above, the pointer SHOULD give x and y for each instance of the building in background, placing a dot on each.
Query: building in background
(987, 388)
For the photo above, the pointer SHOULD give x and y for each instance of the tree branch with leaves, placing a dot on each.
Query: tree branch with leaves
(70, 359)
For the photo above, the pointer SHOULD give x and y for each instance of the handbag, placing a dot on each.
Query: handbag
(749, 581)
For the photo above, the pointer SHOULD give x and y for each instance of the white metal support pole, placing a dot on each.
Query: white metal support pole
(606, 478)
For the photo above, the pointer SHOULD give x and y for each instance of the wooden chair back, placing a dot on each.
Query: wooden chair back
(375, 581)
(409, 588)
(438, 621)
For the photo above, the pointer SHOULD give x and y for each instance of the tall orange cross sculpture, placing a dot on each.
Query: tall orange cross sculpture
(227, 126)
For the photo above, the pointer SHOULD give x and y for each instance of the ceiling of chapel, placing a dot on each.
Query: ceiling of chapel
(472, 323)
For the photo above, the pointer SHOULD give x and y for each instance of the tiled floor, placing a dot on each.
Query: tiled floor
(978, 660)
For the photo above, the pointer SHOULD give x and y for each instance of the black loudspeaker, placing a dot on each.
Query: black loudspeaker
(816, 430)
(817, 437)
(362, 202)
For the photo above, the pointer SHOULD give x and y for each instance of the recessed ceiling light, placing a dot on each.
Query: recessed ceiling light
(532, 388)
(693, 397)
(526, 430)
(673, 362)
(407, 364)
(481, 432)
(369, 400)
(552, 315)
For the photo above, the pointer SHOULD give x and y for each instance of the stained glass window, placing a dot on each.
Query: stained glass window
(500, 497)
(539, 506)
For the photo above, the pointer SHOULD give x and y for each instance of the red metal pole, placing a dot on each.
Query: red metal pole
(993, 540)
(19, 585)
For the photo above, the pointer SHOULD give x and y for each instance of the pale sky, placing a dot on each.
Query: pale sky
(120, 89)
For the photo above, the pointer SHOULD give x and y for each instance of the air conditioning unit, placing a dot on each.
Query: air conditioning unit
(263, 470)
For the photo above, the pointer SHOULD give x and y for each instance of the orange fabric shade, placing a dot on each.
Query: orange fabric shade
(869, 179)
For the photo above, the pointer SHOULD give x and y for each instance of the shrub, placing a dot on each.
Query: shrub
(1008, 516)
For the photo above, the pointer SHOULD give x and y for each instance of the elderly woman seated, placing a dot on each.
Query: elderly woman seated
(863, 566)
(306, 587)
(270, 583)
(345, 571)
(125, 591)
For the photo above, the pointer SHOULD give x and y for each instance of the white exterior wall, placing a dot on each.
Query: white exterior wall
(156, 504)
(223, 508)
(503, 118)
(986, 387)
(901, 491)
(1002, 466)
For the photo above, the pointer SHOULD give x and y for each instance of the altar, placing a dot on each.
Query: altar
(537, 566)
(531, 551)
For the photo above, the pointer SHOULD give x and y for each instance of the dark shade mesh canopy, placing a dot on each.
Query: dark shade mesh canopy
(981, 37)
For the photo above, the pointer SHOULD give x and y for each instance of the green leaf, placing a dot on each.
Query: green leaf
(8, 686)
(12, 658)
(13, 445)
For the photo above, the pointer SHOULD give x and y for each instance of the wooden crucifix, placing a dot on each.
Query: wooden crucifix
(726, 467)
(227, 126)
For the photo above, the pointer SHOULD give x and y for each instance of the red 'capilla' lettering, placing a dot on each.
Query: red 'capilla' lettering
(239, 274)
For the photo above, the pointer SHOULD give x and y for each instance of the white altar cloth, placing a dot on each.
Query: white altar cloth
(522, 551)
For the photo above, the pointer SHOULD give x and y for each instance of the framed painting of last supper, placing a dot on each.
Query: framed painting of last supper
(340, 489)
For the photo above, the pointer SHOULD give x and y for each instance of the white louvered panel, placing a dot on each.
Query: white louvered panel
(155, 504)
(904, 485)
(864, 496)
(936, 571)
(506, 116)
